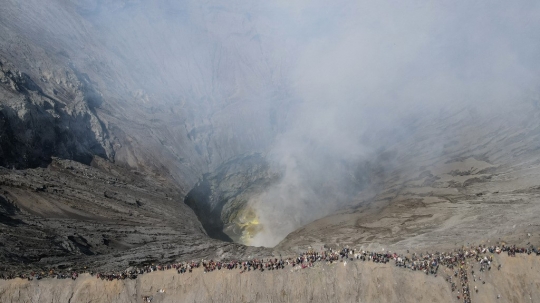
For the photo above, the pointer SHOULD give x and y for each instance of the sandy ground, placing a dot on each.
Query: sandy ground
(517, 281)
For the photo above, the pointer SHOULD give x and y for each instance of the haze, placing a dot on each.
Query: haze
(319, 89)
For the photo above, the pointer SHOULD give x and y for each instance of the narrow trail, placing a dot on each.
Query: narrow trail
(464, 279)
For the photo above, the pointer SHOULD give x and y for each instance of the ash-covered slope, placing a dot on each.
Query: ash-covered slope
(70, 215)
(94, 80)
(83, 78)
(463, 176)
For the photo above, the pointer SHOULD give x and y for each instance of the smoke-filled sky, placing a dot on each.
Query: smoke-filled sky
(366, 66)
(351, 67)
(332, 72)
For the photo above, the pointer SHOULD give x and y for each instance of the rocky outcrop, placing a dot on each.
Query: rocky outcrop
(36, 126)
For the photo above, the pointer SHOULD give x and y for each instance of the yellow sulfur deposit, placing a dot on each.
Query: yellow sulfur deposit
(245, 226)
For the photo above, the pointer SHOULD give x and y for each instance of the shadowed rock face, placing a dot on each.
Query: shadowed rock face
(36, 126)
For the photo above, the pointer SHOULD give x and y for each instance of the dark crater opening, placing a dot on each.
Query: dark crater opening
(210, 217)
(220, 198)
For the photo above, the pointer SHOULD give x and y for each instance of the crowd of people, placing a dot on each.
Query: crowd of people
(456, 264)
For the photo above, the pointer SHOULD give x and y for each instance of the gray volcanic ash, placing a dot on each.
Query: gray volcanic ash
(137, 132)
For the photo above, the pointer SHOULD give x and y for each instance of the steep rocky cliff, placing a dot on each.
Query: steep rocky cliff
(36, 126)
